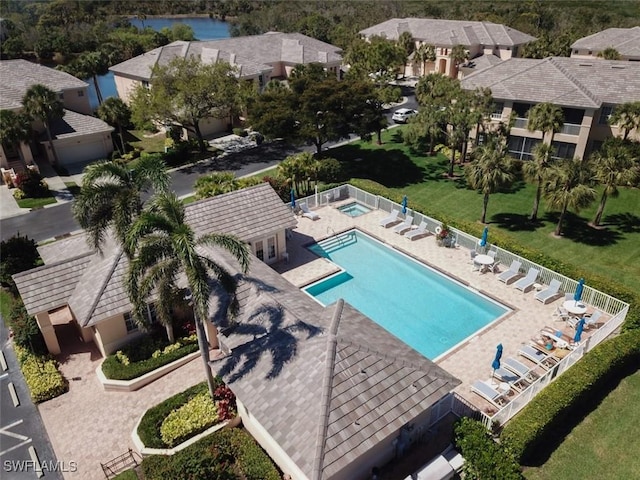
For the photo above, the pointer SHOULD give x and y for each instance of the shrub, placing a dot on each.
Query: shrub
(136, 358)
(280, 185)
(19, 194)
(241, 132)
(26, 332)
(193, 417)
(484, 458)
(31, 183)
(330, 171)
(17, 254)
(41, 375)
(567, 397)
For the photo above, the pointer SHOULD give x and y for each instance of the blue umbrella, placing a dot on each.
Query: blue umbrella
(293, 199)
(404, 204)
(485, 234)
(579, 328)
(496, 361)
(578, 295)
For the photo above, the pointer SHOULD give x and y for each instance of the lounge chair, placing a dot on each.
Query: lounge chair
(520, 369)
(486, 391)
(421, 230)
(527, 282)
(551, 293)
(308, 213)
(514, 380)
(537, 356)
(391, 219)
(513, 272)
(404, 226)
(589, 321)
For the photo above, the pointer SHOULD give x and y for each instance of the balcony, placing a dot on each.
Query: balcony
(520, 123)
(571, 129)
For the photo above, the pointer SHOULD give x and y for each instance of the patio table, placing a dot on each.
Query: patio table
(485, 260)
(575, 307)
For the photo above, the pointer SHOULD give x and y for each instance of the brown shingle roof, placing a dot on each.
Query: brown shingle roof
(449, 32)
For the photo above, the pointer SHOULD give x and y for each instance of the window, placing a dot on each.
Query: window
(260, 250)
(564, 149)
(81, 93)
(261, 80)
(605, 114)
(152, 313)
(522, 147)
(498, 107)
(590, 52)
(145, 84)
(131, 325)
(271, 248)
(575, 51)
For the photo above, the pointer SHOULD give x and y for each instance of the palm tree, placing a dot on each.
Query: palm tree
(626, 117)
(491, 170)
(568, 185)
(546, 117)
(613, 167)
(458, 55)
(610, 53)
(41, 103)
(14, 128)
(425, 53)
(406, 42)
(535, 171)
(117, 114)
(110, 197)
(166, 247)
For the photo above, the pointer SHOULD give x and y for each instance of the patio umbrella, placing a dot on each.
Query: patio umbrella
(293, 199)
(496, 361)
(578, 295)
(485, 234)
(579, 328)
(404, 204)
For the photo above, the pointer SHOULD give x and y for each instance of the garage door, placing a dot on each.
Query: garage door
(79, 153)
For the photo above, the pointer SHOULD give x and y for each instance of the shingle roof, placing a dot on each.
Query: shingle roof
(569, 82)
(449, 32)
(625, 40)
(17, 76)
(345, 383)
(64, 249)
(74, 124)
(252, 54)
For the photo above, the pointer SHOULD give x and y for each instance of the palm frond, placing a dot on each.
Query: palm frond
(232, 244)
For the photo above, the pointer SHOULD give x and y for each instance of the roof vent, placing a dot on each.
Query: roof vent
(363, 372)
(356, 423)
(619, 67)
(585, 64)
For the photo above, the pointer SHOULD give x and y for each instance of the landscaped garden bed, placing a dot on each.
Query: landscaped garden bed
(41, 374)
(145, 355)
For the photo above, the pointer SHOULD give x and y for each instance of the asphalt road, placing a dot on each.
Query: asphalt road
(57, 221)
(21, 427)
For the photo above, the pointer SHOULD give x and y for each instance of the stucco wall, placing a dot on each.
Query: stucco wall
(49, 334)
(77, 99)
(125, 87)
(111, 334)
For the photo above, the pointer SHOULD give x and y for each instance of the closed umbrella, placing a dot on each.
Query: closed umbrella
(404, 204)
(485, 234)
(578, 295)
(496, 361)
(579, 328)
(293, 199)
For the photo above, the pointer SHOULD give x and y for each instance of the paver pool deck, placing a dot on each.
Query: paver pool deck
(90, 426)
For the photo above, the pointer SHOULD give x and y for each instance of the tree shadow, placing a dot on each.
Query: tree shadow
(515, 222)
(626, 222)
(577, 229)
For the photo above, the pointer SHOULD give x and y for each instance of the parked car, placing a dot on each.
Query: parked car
(403, 114)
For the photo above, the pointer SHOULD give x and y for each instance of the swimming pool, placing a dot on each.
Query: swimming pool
(354, 209)
(427, 310)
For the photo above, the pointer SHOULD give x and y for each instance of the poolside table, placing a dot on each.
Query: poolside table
(575, 307)
(485, 260)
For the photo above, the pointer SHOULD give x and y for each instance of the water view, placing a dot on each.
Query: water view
(204, 28)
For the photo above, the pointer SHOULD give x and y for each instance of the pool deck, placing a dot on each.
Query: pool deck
(468, 361)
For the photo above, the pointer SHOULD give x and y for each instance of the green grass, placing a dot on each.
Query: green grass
(6, 304)
(127, 475)
(612, 251)
(604, 445)
(73, 188)
(36, 202)
(189, 199)
(152, 143)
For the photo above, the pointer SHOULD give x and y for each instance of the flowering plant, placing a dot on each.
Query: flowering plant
(444, 232)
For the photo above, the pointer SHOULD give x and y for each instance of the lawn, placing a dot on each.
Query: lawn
(6, 304)
(612, 251)
(604, 445)
(36, 202)
(150, 143)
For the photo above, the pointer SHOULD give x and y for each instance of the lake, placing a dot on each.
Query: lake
(204, 28)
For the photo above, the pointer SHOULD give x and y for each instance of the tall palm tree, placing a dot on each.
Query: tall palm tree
(491, 170)
(568, 185)
(14, 128)
(41, 103)
(610, 53)
(111, 197)
(613, 167)
(423, 54)
(546, 117)
(166, 247)
(406, 42)
(458, 55)
(626, 117)
(535, 171)
(117, 114)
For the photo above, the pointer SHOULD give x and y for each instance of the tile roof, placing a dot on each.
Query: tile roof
(74, 124)
(625, 40)
(64, 249)
(569, 82)
(327, 383)
(17, 76)
(480, 63)
(251, 54)
(450, 32)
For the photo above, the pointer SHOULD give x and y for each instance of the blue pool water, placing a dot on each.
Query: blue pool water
(427, 310)
(354, 209)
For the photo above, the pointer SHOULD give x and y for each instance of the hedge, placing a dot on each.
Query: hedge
(225, 454)
(193, 417)
(42, 375)
(604, 284)
(568, 396)
(114, 368)
(149, 428)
